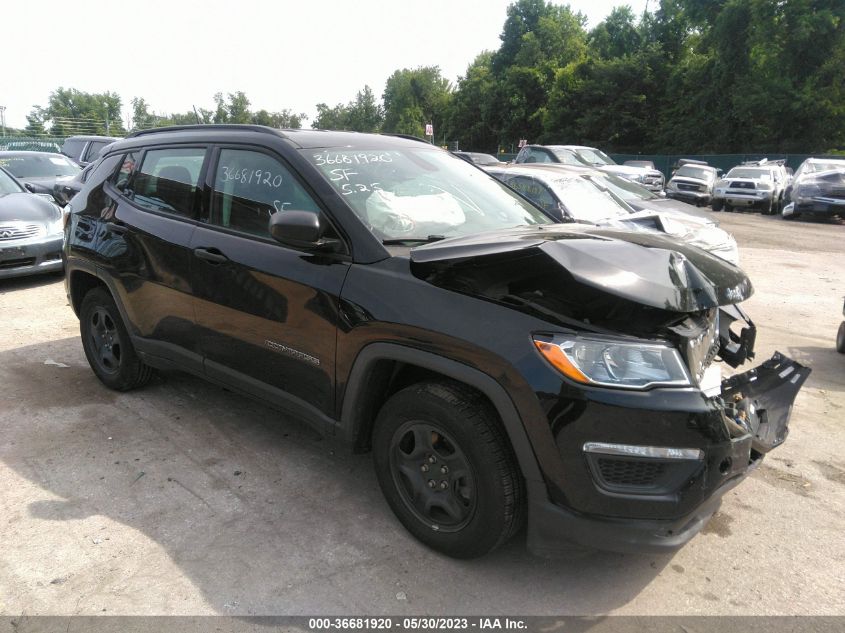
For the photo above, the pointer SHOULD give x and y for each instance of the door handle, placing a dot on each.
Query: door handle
(114, 227)
(211, 255)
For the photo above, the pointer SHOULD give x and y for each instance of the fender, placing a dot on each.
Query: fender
(369, 355)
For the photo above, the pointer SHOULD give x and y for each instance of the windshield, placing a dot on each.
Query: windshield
(416, 193)
(744, 172)
(568, 157)
(623, 188)
(585, 201)
(695, 172)
(814, 166)
(7, 185)
(594, 156)
(38, 165)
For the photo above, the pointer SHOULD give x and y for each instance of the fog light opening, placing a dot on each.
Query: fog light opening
(725, 466)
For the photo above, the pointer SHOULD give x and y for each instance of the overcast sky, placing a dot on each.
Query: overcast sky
(282, 54)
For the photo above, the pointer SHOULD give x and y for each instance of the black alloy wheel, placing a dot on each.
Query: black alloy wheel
(447, 469)
(107, 345)
(105, 340)
(433, 476)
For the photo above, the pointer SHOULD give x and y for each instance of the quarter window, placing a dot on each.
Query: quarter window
(126, 170)
(249, 187)
(167, 180)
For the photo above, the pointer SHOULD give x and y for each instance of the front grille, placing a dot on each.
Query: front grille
(687, 187)
(743, 185)
(17, 263)
(19, 231)
(630, 472)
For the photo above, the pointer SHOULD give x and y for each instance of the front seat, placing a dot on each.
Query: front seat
(174, 187)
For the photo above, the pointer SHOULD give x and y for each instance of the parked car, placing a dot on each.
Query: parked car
(30, 231)
(65, 190)
(840, 336)
(574, 194)
(643, 164)
(478, 158)
(499, 366)
(817, 188)
(85, 149)
(40, 172)
(755, 186)
(642, 199)
(578, 155)
(692, 183)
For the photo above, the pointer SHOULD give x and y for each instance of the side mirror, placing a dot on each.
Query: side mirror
(301, 229)
(29, 187)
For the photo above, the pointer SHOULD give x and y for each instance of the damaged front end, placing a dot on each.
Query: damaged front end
(640, 332)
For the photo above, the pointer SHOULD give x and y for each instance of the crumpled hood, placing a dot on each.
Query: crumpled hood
(643, 267)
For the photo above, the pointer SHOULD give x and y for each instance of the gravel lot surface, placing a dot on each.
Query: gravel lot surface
(182, 498)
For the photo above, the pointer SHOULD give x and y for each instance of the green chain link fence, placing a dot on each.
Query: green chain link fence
(31, 143)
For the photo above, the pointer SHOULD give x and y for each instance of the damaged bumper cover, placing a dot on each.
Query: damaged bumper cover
(754, 407)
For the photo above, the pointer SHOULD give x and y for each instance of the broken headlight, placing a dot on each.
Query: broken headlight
(610, 363)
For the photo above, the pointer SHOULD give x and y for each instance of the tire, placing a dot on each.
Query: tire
(840, 338)
(729, 207)
(768, 209)
(717, 204)
(447, 469)
(107, 345)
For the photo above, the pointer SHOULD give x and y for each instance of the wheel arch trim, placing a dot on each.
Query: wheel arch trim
(351, 424)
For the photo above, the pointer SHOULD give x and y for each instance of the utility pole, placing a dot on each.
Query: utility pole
(106, 106)
(3, 119)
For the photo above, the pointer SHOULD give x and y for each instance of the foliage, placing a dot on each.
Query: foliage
(415, 97)
(697, 76)
(70, 111)
(363, 114)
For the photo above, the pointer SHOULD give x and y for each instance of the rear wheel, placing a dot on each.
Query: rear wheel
(107, 345)
(717, 203)
(840, 338)
(447, 469)
(768, 208)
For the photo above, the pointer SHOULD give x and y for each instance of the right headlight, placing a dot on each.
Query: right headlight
(610, 363)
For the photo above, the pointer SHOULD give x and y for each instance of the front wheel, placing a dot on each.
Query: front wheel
(840, 338)
(447, 469)
(717, 203)
(107, 345)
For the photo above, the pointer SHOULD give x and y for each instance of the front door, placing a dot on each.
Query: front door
(267, 314)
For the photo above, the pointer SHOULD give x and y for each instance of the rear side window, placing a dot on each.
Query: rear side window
(167, 180)
(249, 187)
(73, 148)
(94, 150)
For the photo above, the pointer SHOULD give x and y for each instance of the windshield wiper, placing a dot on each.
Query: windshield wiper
(413, 240)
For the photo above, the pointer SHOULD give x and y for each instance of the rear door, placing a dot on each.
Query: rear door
(145, 247)
(267, 314)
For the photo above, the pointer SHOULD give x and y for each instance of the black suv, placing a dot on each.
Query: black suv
(500, 367)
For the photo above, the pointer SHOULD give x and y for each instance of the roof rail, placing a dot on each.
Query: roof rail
(207, 126)
(409, 137)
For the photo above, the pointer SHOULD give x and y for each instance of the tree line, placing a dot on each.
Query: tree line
(703, 76)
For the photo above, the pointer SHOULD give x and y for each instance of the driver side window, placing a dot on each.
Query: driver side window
(250, 186)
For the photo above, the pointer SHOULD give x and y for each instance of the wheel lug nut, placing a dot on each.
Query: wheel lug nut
(431, 483)
(432, 459)
(444, 470)
(443, 485)
(424, 468)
